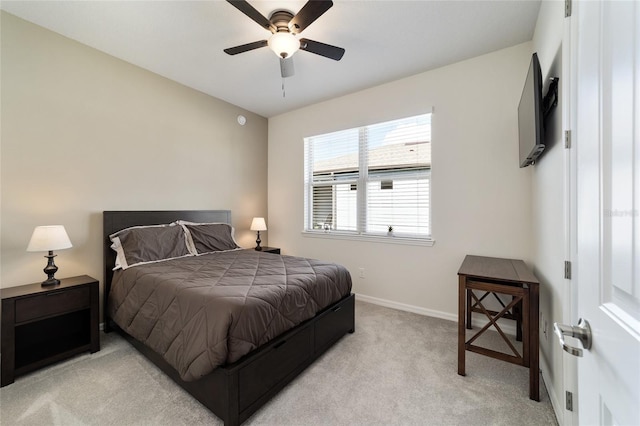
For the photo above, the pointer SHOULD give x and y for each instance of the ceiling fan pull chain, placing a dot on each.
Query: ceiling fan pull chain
(283, 92)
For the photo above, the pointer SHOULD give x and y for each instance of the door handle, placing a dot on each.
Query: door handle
(581, 332)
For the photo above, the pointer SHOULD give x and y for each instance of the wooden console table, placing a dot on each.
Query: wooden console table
(512, 278)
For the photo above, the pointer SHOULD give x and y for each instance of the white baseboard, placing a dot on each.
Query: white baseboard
(408, 308)
(558, 406)
(507, 326)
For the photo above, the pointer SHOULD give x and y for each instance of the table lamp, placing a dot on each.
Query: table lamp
(49, 238)
(258, 224)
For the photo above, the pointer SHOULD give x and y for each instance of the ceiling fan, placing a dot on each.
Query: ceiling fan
(284, 26)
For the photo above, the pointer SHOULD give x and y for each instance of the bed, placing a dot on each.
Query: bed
(235, 374)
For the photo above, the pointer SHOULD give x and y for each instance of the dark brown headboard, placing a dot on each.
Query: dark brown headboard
(114, 221)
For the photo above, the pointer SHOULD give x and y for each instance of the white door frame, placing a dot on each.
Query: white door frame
(570, 295)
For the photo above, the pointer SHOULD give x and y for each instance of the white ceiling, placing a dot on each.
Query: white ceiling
(384, 41)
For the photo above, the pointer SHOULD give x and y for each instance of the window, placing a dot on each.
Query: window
(364, 180)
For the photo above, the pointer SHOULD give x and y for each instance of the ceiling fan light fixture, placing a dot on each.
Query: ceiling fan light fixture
(284, 44)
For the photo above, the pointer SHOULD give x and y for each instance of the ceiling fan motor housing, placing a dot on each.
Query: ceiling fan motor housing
(280, 19)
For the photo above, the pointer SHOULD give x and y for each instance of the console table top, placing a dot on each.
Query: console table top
(514, 270)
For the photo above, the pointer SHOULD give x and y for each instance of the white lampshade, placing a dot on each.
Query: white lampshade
(284, 44)
(258, 224)
(46, 238)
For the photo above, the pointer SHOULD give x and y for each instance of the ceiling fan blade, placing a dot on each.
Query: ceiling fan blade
(252, 13)
(311, 11)
(286, 67)
(245, 47)
(322, 49)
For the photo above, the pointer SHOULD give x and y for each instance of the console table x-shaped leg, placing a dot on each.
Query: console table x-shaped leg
(518, 295)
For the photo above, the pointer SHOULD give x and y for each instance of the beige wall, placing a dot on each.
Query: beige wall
(481, 199)
(83, 132)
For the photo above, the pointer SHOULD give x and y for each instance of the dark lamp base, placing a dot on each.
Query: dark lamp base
(50, 282)
(258, 241)
(50, 270)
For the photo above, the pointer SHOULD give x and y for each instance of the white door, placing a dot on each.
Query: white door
(607, 143)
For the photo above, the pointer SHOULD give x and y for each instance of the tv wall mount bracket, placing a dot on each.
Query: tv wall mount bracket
(550, 100)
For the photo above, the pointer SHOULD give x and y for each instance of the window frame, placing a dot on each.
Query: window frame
(361, 181)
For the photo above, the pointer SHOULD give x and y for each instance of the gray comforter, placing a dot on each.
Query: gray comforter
(205, 311)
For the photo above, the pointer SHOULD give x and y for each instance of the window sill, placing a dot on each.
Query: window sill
(335, 235)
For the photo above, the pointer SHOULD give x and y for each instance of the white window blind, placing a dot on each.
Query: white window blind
(367, 179)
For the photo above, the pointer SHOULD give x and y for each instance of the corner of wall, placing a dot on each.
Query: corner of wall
(548, 206)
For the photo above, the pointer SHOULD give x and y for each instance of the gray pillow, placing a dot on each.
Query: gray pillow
(210, 237)
(147, 244)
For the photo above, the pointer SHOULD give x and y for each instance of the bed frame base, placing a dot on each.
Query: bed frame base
(236, 391)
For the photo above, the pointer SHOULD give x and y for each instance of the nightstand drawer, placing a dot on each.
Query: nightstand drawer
(42, 325)
(44, 305)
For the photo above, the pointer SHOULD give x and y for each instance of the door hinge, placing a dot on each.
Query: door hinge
(567, 139)
(567, 270)
(567, 8)
(569, 400)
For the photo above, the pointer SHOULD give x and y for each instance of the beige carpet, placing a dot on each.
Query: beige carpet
(397, 368)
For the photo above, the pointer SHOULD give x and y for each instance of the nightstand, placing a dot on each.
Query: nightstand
(275, 250)
(43, 325)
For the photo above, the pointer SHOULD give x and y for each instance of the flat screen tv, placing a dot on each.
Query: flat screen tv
(531, 115)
